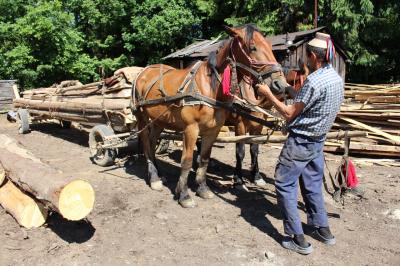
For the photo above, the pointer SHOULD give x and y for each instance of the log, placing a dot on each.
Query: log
(38, 115)
(267, 139)
(25, 210)
(72, 198)
(69, 106)
(2, 175)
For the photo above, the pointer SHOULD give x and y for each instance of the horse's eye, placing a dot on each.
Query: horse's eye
(253, 48)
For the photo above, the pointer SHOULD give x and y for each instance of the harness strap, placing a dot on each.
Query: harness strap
(233, 107)
(154, 81)
(190, 77)
(161, 87)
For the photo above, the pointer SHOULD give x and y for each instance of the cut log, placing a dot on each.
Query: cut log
(25, 210)
(73, 199)
(2, 175)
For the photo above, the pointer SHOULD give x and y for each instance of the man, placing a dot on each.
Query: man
(309, 120)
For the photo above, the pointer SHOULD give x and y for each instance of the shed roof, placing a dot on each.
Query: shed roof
(203, 48)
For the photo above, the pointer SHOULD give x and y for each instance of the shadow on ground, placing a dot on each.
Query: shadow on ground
(71, 231)
(54, 129)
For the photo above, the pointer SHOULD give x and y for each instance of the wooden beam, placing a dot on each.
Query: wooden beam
(372, 129)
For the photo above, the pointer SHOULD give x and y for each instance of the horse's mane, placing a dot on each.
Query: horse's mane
(212, 63)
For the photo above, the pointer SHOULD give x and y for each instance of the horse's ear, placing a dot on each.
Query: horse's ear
(231, 31)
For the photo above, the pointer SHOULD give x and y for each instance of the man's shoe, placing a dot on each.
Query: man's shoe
(324, 235)
(290, 244)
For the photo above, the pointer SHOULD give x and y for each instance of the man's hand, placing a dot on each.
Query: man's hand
(264, 90)
(289, 112)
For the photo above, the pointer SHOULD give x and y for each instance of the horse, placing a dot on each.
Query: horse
(296, 76)
(295, 79)
(199, 113)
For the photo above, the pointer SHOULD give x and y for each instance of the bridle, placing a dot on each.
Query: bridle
(274, 66)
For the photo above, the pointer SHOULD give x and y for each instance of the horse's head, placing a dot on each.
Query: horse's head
(253, 57)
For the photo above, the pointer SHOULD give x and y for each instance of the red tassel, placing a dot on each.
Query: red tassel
(352, 180)
(226, 81)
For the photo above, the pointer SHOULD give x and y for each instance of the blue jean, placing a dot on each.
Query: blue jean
(301, 157)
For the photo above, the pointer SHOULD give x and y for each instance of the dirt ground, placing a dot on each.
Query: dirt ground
(133, 225)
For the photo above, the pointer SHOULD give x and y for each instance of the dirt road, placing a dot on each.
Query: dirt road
(133, 225)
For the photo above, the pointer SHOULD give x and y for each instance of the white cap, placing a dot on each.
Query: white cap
(320, 40)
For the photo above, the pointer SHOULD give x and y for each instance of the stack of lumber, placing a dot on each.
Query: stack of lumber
(8, 91)
(376, 110)
(73, 101)
(29, 188)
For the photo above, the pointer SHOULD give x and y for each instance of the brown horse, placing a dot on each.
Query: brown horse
(295, 78)
(246, 48)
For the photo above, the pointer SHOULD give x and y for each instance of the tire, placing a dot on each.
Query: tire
(23, 121)
(162, 146)
(104, 157)
(65, 124)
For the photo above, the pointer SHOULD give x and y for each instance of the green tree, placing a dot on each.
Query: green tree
(160, 27)
(42, 47)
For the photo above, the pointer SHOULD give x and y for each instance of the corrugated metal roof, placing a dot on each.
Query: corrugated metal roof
(203, 48)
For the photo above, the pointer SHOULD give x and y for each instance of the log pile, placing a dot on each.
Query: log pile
(376, 110)
(72, 101)
(29, 188)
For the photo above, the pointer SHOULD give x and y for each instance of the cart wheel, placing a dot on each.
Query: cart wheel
(23, 121)
(65, 124)
(162, 146)
(102, 157)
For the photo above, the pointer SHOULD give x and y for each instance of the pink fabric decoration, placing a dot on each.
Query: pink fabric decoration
(226, 81)
(352, 180)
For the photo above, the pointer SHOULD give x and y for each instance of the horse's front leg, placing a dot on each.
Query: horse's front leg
(238, 181)
(189, 141)
(254, 151)
(255, 171)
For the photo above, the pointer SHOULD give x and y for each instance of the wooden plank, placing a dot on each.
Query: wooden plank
(368, 149)
(16, 91)
(372, 129)
(384, 99)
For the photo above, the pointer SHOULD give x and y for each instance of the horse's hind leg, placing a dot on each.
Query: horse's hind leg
(155, 133)
(189, 141)
(203, 190)
(154, 179)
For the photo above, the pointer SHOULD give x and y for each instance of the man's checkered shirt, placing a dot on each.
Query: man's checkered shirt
(322, 95)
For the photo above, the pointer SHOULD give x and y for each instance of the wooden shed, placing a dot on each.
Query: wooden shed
(288, 49)
(8, 92)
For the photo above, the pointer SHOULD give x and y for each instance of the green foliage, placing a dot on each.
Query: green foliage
(46, 41)
(159, 27)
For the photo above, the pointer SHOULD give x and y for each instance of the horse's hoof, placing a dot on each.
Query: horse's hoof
(241, 187)
(205, 193)
(187, 203)
(156, 185)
